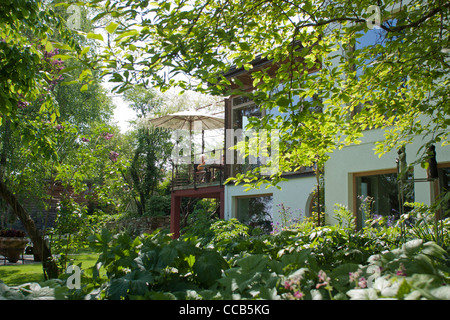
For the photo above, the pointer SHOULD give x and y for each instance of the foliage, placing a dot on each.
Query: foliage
(158, 205)
(317, 263)
(423, 224)
(344, 216)
(151, 148)
(332, 87)
(305, 262)
(328, 262)
(199, 222)
(36, 138)
(151, 153)
(289, 219)
(169, 267)
(49, 290)
(93, 187)
(413, 271)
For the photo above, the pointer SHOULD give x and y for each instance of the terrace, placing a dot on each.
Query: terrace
(207, 169)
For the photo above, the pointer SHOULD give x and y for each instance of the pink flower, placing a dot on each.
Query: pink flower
(85, 139)
(287, 285)
(362, 283)
(23, 104)
(108, 136)
(298, 295)
(401, 271)
(113, 156)
(323, 279)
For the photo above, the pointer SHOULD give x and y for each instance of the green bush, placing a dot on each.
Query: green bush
(331, 262)
(158, 205)
(299, 262)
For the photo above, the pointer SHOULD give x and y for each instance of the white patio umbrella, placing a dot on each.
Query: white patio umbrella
(184, 120)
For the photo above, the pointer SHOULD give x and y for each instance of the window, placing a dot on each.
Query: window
(369, 39)
(379, 194)
(255, 211)
(444, 185)
(243, 110)
(241, 116)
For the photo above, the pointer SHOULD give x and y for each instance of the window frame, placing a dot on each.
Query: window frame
(354, 200)
(235, 213)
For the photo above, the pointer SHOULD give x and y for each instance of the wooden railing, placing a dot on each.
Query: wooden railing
(205, 169)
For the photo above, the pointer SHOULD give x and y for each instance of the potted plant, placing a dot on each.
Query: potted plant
(12, 244)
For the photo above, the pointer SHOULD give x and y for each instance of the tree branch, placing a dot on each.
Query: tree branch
(418, 22)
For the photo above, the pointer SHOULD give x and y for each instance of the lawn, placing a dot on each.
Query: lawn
(13, 275)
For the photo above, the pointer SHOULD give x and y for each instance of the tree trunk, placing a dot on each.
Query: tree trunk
(39, 245)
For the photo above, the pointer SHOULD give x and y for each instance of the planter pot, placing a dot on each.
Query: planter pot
(12, 247)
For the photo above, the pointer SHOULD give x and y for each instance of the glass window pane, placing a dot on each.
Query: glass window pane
(256, 212)
(379, 195)
(444, 183)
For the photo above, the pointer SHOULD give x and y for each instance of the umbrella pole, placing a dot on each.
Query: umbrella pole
(203, 141)
(190, 142)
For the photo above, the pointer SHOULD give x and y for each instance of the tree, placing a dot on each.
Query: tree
(152, 147)
(32, 140)
(25, 31)
(406, 79)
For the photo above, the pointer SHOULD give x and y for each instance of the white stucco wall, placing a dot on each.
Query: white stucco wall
(294, 193)
(340, 168)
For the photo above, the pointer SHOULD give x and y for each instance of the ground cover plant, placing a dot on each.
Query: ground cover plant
(302, 261)
(55, 124)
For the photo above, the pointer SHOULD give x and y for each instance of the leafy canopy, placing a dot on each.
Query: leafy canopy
(331, 89)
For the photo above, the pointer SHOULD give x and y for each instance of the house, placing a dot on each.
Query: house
(352, 175)
(355, 175)
(257, 207)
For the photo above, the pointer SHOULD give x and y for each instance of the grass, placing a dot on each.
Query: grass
(13, 275)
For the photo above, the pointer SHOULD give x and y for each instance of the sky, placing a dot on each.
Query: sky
(122, 114)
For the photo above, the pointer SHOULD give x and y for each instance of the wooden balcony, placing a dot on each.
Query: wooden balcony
(199, 174)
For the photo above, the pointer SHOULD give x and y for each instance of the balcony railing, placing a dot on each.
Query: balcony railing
(206, 169)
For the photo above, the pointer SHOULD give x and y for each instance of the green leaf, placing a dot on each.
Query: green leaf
(62, 56)
(208, 267)
(84, 51)
(283, 101)
(84, 88)
(190, 260)
(269, 294)
(97, 36)
(253, 263)
(244, 46)
(127, 34)
(134, 283)
(112, 27)
(48, 46)
(442, 293)
(167, 256)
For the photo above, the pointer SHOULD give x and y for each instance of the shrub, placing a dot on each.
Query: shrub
(301, 262)
(158, 205)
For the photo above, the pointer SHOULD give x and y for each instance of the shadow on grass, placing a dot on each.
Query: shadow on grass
(13, 275)
(16, 275)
